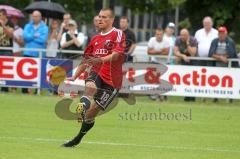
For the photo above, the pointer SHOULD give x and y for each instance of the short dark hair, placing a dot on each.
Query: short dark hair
(3, 11)
(159, 29)
(124, 17)
(110, 10)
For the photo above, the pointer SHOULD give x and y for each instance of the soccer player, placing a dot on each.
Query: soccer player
(105, 56)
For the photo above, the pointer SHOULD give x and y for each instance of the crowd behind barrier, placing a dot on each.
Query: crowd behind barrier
(62, 51)
(39, 82)
(63, 40)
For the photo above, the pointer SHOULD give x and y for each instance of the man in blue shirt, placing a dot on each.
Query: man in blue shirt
(35, 35)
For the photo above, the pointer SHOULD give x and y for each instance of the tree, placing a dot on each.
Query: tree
(81, 10)
(16, 4)
(220, 10)
(154, 6)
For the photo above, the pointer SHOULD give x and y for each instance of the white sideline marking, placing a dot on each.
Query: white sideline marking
(126, 144)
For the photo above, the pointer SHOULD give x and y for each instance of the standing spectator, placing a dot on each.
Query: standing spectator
(94, 30)
(53, 41)
(223, 48)
(169, 36)
(18, 41)
(130, 38)
(72, 40)
(6, 34)
(35, 35)
(185, 47)
(64, 25)
(204, 38)
(130, 46)
(157, 46)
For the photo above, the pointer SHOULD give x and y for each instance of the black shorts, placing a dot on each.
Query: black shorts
(105, 92)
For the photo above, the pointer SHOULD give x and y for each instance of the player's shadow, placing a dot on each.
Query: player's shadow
(63, 111)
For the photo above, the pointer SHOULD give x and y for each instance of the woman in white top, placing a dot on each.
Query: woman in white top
(53, 40)
(18, 41)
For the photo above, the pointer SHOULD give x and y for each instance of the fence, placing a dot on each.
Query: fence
(176, 80)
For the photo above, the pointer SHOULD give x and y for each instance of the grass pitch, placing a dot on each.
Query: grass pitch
(30, 129)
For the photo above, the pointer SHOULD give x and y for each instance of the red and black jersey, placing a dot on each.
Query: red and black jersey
(103, 45)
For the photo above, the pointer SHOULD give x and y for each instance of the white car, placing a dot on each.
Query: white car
(140, 53)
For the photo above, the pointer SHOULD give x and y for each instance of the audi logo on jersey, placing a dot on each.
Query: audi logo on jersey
(101, 52)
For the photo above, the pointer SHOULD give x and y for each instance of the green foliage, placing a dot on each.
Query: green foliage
(81, 10)
(16, 4)
(220, 10)
(176, 3)
(185, 23)
(148, 6)
(223, 12)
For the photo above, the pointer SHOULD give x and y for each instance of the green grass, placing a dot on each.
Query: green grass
(29, 129)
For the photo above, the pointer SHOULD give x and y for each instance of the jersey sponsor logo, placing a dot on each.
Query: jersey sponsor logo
(101, 52)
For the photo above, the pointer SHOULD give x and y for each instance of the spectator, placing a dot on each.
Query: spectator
(18, 41)
(94, 30)
(130, 38)
(6, 34)
(185, 47)
(157, 46)
(169, 36)
(35, 35)
(64, 25)
(223, 48)
(130, 46)
(204, 38)
(72, 40)
(53, 41)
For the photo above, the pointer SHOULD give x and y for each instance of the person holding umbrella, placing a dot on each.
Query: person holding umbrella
(35, 35)
(6, 34)
(18, 41)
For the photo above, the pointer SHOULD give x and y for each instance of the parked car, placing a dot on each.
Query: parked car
(140, 52)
